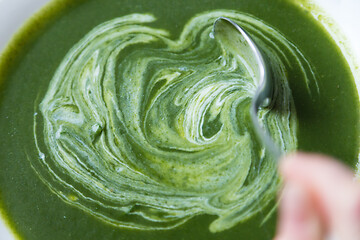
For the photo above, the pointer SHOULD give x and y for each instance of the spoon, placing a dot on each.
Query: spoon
(234, 38)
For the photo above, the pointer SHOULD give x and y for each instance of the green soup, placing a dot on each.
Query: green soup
(128, 120)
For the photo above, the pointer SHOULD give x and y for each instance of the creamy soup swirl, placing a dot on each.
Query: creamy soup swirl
(146, 132)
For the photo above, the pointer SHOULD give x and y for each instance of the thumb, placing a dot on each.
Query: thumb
(334, 193)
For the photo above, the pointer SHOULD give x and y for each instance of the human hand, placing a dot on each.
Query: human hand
(320, 199)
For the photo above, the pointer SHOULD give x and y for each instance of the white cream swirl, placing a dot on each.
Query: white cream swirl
(146, 132)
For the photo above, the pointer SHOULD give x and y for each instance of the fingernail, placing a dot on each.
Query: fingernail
(295, 201)
(294, 209)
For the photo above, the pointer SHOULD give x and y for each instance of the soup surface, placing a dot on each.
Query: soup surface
(128, 120)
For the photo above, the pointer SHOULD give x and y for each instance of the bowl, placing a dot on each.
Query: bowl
(346, 31)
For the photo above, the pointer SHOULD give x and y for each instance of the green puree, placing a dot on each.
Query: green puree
(165, 149)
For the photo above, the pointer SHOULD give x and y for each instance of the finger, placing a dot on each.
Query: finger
(331, 185)
(297, 217)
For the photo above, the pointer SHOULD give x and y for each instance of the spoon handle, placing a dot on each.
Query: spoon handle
(261, 133)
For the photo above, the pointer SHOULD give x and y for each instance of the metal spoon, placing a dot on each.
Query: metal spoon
(234, 38)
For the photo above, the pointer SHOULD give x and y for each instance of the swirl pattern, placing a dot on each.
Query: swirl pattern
(146, 132)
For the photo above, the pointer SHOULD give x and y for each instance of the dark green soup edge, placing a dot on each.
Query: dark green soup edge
(17, 47)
